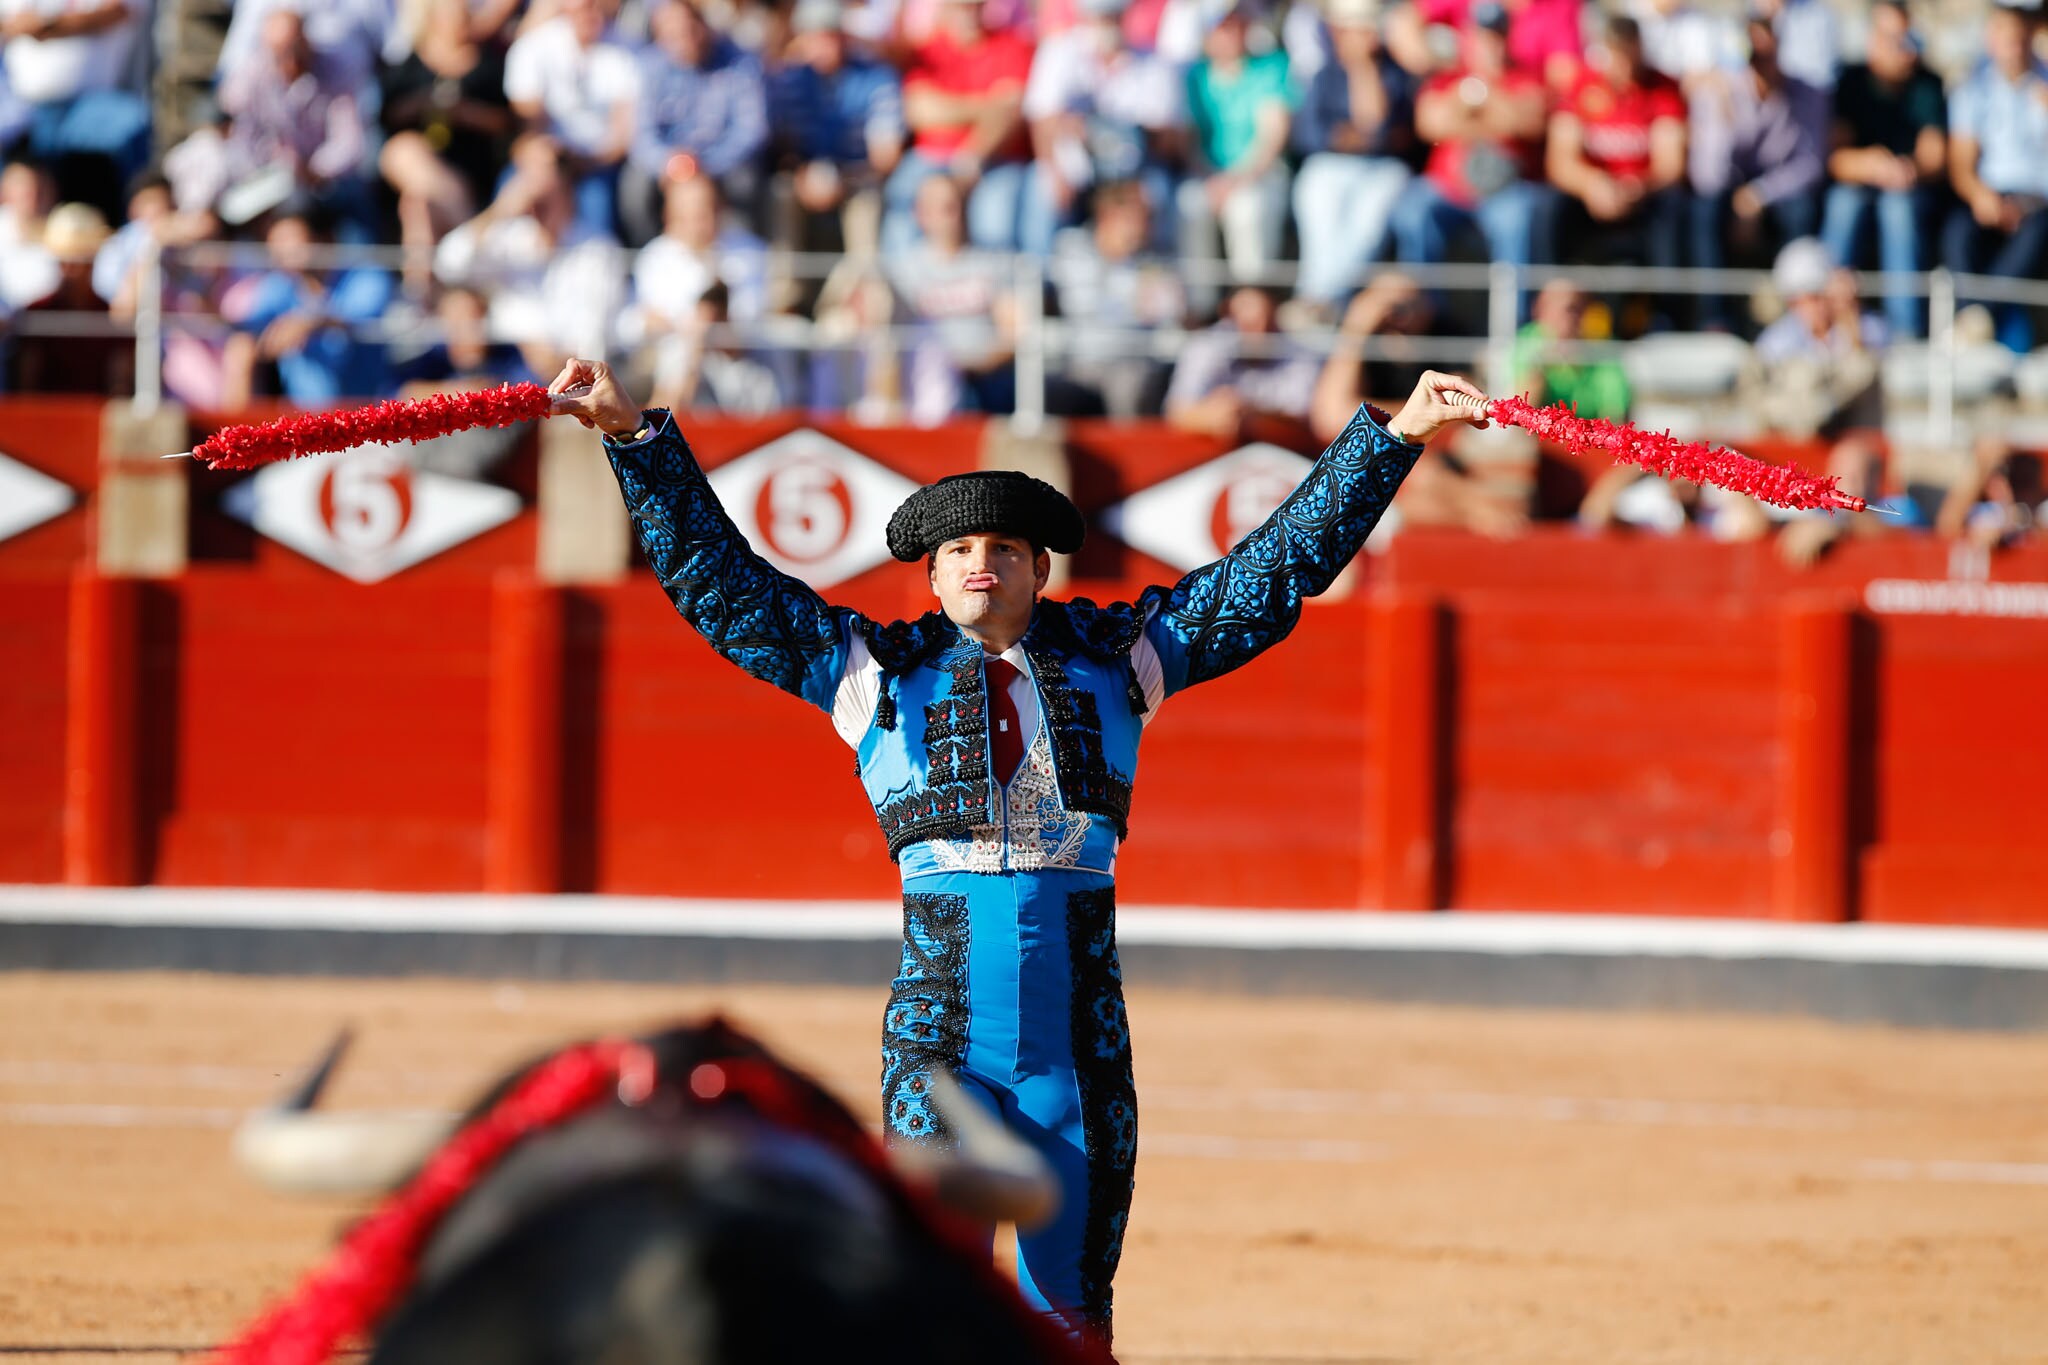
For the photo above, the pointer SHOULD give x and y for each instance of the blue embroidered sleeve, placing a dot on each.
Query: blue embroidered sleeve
(770, 624)
(1224, 615)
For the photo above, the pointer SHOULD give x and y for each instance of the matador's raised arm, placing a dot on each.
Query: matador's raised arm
(1223, 615)
(769, 623)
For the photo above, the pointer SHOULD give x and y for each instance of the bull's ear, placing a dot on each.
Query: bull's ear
(990, 1174)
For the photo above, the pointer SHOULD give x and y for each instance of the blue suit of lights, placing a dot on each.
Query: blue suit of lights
(1009, 977)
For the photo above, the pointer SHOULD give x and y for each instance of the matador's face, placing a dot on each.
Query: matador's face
(987, 582)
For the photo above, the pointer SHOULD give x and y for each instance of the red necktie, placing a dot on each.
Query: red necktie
(1008, 739)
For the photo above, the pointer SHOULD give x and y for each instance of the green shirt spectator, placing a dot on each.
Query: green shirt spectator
(1551, 374)
(1225, 111)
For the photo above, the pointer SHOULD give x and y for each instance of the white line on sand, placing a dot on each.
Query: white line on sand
(1958, 1172)
(839, 921)
(261, 1084)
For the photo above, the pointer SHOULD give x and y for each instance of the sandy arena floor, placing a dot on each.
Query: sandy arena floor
(1319, 1181)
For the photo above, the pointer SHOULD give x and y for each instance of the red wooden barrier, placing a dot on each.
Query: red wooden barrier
(1557, 723)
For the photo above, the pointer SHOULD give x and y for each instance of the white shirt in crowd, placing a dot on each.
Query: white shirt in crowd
(1078, 72)
(576, 86)
(565, 293)
(52, 70)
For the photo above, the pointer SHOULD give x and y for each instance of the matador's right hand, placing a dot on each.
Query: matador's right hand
(588, 391)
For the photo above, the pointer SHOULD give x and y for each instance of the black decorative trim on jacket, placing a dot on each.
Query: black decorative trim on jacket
(925, 1027)
(1101, 1039)
(955, 796)
(1087, 780)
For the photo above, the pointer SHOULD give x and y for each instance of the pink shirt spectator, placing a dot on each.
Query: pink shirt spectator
(1538, 30)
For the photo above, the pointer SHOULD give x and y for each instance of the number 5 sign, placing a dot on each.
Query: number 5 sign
(812, 507)
(365, 512)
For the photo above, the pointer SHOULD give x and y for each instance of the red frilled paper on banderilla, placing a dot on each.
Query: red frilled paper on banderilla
(1662, 453)
(416, 419)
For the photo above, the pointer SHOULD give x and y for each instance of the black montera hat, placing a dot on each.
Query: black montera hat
(987, 500)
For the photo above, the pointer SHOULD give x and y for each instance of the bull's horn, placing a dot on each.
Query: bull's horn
(990, 1174)
(291, 1147)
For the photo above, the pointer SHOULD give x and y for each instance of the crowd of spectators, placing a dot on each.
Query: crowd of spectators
(631, 178)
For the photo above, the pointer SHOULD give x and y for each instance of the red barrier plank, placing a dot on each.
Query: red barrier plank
(328, 734)
(34, 626)
(1612, 757)
(1961, 808)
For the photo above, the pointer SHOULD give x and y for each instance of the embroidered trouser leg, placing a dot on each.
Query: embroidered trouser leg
(1010, 983)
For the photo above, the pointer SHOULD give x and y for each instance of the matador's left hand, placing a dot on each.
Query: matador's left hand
(1429, 411)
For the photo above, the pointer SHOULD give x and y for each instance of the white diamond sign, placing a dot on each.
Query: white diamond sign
(1195, 517)
(365, 512)
(812, 507)
(29, 497)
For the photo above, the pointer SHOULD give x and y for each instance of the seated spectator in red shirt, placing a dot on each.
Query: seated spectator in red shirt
(1484, 122)
(963, 98)
(1617, 151)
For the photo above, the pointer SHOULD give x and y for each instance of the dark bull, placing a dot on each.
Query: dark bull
(680, 1199)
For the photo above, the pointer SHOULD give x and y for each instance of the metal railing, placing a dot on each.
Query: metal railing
(1043, 342)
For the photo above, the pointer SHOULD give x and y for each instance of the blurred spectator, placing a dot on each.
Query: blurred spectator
(199, 167)
(308, 320)
(1820, 359)
(1543, 35)
(27, 270)
(960, 301)
(350, 35)
(1998, 500)
(66, 361)
(1484, 124)
(1890, 153)
(1809, 49)
(296, 128)
(1106, 282)
(1240, 107)
(1998, 157)
(1441, 490)
(466, 356)
(838, 126)
(554, 281)
(1548, 363)
(1759, 155)
(67, 60)
(963, 97)
(447, 128)
(1817, 370)
(672, 273)
(1387, 315)
(1221, 383)
(696, 371)
(1686, 43)
(1617, 149)
(1098, 112)
(117, 269)
(27, 194)
(1358, 127)
(569, 81)
(703, 111)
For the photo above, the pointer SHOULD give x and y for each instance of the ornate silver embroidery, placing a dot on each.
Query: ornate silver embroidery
(1042, 832)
